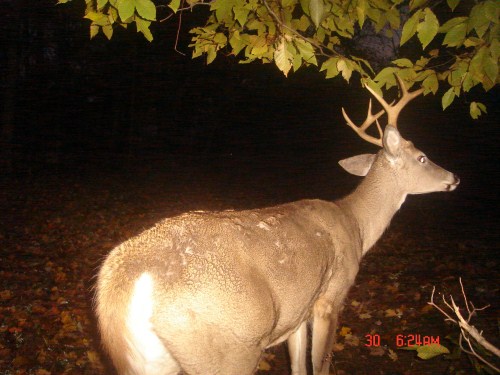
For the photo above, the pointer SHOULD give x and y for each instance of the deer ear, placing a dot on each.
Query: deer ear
(391, 141)
(358, 165)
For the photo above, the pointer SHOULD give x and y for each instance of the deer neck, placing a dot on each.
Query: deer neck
(374, 202)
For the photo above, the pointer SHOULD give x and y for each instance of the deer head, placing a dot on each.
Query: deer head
(422, 175)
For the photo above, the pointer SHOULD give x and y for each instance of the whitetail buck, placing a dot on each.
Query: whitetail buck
(204, 293)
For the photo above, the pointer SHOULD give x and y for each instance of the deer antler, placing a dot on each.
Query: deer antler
(392, 111)
(370, 119)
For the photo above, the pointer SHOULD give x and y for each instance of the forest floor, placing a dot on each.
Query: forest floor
(57, 228)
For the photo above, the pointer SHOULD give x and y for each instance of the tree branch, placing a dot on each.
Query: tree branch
(467, 331)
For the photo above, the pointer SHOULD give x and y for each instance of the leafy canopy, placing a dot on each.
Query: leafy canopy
(456, 47)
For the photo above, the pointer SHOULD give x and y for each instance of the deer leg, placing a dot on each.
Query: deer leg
(323, 336)
(297, 347)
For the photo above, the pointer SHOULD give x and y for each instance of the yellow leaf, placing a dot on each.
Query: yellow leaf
(282, 57)
(344, 331)
(391, 313)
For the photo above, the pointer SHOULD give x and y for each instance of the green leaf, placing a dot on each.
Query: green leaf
(477, 63)
(431, 351)
(330, 66)
(125, 9)
(241, 15)
(394, 18)
(430, 84)
(427, 29)
(146, 9)
(478, 20)
(410, 27)
(174, 5)
(306, 50)
(448, 98)
(364, 62)
(93, 16)
(99, 19)
(94, 30)
(476, 109)
(456, 36)
(414, 4)
(223, 9)
(405, 63)
(344, 68)
(491, 68)
(259, 47)
(472, 42)
(305, 6)
(143, 27)
(452, 4)
(236, 42)
(451, 23)
(101, 4)
(361, 12)
(386, 77)
(468, 82)
(316, 9)
(301, 24)
(296, 57)
(211, 54)
(491, 11)
(108, 31)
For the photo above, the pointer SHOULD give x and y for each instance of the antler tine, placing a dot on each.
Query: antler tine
(394, 110)
(370, 119)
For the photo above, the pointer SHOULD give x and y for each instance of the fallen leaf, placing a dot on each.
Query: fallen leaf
(391, 313)
(351, 340)
(376, 351)
(344, 331)
(393, 355)
(5, 295)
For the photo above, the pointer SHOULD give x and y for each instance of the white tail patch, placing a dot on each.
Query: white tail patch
(147, 354)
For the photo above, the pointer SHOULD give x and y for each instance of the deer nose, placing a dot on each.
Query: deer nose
(457, 179)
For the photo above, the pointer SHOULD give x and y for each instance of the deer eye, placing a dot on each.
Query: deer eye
(422, 159)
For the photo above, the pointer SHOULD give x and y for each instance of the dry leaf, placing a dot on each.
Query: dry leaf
(365, 316)
(393, 355)
(5, 295)
(351, 340)
(344, 331)
(376, 351)
(391, 313)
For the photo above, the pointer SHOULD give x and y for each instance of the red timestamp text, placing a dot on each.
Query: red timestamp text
(411, 339)
(414, 339)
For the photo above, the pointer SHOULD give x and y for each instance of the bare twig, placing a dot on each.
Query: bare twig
(178, 31)
(467, 332)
